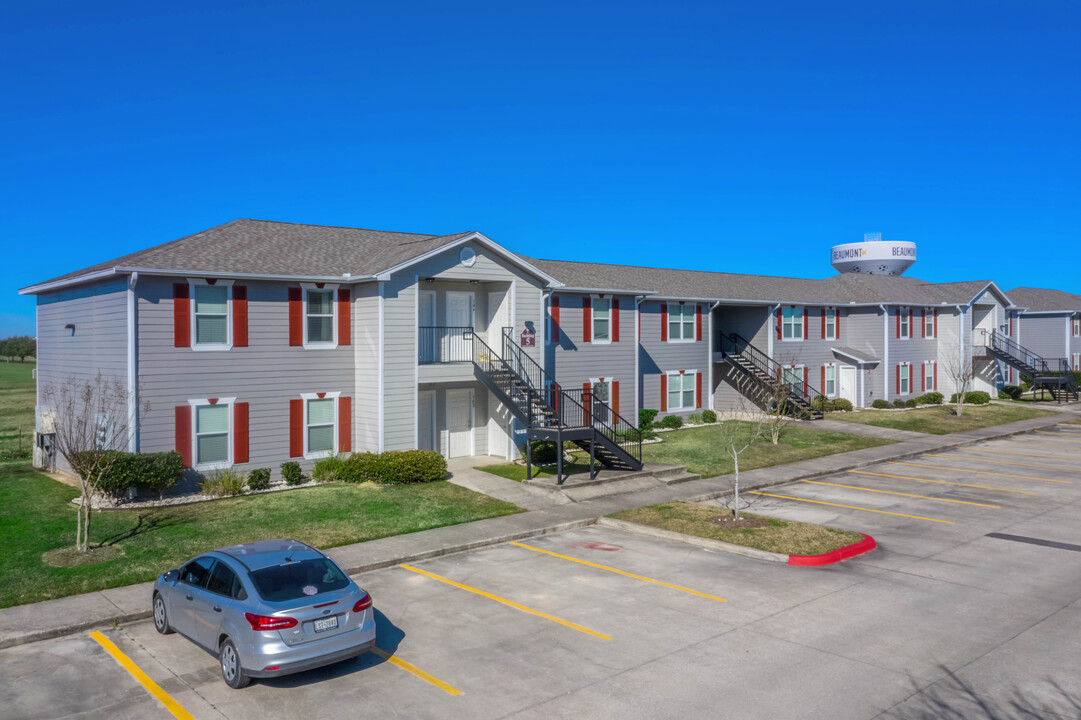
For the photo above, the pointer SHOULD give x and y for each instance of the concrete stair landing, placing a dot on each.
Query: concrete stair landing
(580, 487)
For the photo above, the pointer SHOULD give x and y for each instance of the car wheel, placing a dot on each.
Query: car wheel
(231, 672)
(161, 616)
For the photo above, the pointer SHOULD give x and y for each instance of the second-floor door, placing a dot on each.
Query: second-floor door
(459, 316)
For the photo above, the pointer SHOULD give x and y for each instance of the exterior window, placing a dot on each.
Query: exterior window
(793, 378)
(929, 375)
(320, 426)
(103, 432)
(1077, 326)
(831, 323)
(211, 435)
(906, 379)
(681, 322)
(906, 323)
(602, 319)
(211, 314)
(831, 381)
(681, 391)
(319, 319)
(929, 324)
(792, 324)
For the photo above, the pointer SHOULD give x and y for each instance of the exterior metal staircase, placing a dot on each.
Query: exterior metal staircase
(551, 413)
(761, 379)
(1052, 375)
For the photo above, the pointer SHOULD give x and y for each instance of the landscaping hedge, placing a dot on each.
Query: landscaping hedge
(672, 422)
(1010, 392)
(931, 398)
(153, 471)
(842, 405)
(880, 404)
(542, 452)
(395, 467)
(973, 397)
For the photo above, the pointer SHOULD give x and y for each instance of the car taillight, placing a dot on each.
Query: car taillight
(363, 604)
(263, 622)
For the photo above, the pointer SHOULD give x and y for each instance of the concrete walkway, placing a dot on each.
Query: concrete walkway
(54, 618)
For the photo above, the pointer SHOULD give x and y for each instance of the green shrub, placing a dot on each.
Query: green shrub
(694, 419)
(227, 482)
(910, 403)
(898, 403)
(153, 471)
(842, 404)
(708, 416)
(931, 398)
(291, 473)
(673, 422)
(1010, 392)
(818, 402)
(648, 433)
(880, 404)
(973, 397)
(328, 469)
(544, 452)
(259, 479)
(646, 417)
(1026, 383)
(395, 467)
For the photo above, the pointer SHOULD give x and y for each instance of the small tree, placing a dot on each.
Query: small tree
(959, 370)
(739, 429)
(780, 406)
(90, 418)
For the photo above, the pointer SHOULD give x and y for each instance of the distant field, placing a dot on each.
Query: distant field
(17, 395)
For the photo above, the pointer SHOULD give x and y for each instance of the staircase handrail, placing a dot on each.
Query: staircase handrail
(1004, 344)
(530, 369)
(763, 362)
(631, 440)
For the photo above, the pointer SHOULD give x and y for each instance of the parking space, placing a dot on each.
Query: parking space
(979, 564)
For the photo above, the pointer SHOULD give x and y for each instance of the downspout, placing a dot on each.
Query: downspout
(885, 352)
(960, 343)
(133, 374)
(639, 381)
(709, 353)
(382, 359)
(772, 330)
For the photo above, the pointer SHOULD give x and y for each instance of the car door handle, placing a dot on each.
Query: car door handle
(189, 597)
(217, 609)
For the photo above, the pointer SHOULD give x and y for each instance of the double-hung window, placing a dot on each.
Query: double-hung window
(793, 378)
(602, 319)
(792, 324)
(212, 435)
(904, 375)
(830, 388)
(929, 375)
(681, 390)
(905, 323)
(319, 427)
(829, 316)
(681, 321)
(319, 317)
(1077, 325)
(929, 323)
(211, 315)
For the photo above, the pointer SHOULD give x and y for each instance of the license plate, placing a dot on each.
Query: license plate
(326, 623)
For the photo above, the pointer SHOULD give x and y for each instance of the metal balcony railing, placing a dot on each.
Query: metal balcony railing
(444, 344)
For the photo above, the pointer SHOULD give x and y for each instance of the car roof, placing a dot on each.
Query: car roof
(268, 553)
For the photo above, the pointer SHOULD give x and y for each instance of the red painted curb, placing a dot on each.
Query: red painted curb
(865, 545)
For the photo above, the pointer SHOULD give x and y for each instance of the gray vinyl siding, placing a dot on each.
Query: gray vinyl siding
(1046, 335)
(861, 330)
(751, 323)
(366, 357)
(267, 374)
(574, 362)
(659, 356)
(915, 350)
(400, 323)
(99, 341)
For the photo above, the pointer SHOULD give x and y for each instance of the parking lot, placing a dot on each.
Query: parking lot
(974, 596)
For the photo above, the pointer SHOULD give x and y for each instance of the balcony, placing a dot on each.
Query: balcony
(440, 345)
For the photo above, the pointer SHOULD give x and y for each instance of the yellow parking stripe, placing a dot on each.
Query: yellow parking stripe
(151, 687)
(1005, 462)
(621, 572)
(892, 492)
(395, 660)
(974, 472)
(507, 602)
(1010, 452)
(851, 507)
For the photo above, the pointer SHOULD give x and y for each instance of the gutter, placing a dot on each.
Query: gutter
(886, 353)
(90, 277)
(709, 354)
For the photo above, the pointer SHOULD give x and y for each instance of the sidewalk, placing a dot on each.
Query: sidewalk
(53, 618)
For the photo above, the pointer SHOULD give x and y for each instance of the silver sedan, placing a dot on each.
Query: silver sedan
(266, 609)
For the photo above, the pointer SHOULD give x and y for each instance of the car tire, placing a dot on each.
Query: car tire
(231, 671)
(161, 616)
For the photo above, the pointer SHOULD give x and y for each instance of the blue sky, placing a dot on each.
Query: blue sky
(741, 137)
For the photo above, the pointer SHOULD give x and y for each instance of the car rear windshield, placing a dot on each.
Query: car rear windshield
(298, 579)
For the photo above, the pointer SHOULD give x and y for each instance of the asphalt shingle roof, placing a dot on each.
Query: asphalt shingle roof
(1045, 299)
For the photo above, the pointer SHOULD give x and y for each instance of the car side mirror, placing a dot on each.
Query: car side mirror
(171, 576)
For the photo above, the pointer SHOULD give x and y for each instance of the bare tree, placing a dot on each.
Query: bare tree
(90, 419)
(959, 369)
(780, 406)
(739, 429)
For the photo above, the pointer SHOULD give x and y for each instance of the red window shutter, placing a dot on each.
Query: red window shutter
(181, 316)
(697, 322)
(183, 433)
(615, 319)
(296, 319)
(936, 322)
(823, 385)
(615, 396)
(923, 323)
(823, 323)
(804, 380)
(587, 319)
(664, 393)
(936, 376)
(1011, 326)
(587, 402)
(923, 378)
(555, 318)
(664, 322)
(898, 379)
(344, 323)
(240, 316)
(698, 390)
(296, 427)
(898, 322)
(837, 324)
(240, 432)
(345, 424)
(806, 329)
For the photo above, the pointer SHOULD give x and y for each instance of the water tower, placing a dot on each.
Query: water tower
(873, 256)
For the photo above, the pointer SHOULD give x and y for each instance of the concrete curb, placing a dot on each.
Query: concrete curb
(866, 545)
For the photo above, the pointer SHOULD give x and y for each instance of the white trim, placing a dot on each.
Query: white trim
(803, 329)
(416, 352)
(175, 272)
(885, 352)
(331, 288)
(593, 320)
(605, 291)
(771, 315)
(908, 371)
(133, 374)
(480, 239)
(382, 366)
(308, 455)
(709, 359)
(668, 391)
(193, 342)
(682, 323)
(195, 404)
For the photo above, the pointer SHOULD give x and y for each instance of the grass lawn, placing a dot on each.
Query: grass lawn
(36, 516)
(17, 395)
(779, 536)
(516, 472)
(701, 451)
(940, 420)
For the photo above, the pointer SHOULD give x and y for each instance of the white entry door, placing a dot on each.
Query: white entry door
(459, 315)
(498, 318)
(426, 420)
(459, 423)
(848, 384)
(428, 341)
